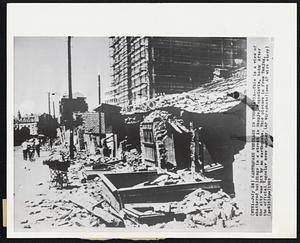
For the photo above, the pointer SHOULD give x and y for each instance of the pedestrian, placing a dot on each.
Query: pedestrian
(25, 149)
(31, 149)
(37, 147)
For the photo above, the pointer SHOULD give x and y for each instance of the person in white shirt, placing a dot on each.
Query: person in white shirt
(25, 149)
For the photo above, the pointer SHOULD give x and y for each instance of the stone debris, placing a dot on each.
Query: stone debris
(209, 98)
(198, 209)
(133, 163)
(205, 208)
(61, 213)
(82, 202)
(170, 178)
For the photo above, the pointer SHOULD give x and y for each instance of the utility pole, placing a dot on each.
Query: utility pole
(53, 109)
(99, 97)
(49, 104)
(70, 98)
(53, 105)
(99, 89)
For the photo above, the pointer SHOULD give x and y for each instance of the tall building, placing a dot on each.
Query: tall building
(143, 67)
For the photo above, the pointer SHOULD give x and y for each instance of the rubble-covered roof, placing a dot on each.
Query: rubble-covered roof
(90, 122)
(211, 97)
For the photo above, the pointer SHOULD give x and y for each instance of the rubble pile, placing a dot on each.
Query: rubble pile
(133, 163)
(58, 153)
(82, 202)
(98, 162)
(77, 204)
(170, 178)
(212, 96)
(198, 209)
(58, 213)
(81, 155)
(134, 160)
(89, 196)
(208, 209)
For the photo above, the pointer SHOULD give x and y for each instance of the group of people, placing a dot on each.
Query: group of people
(29, 148)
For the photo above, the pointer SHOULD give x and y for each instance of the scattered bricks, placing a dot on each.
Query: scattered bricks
(159, 179)
(62, 224)
(202, 220)
(53, 206)
(228, 210)
(211, 218)
(78, 224)
(204, 208)
(24, 222)
(95, 224)
(39, 203)
(40, 219)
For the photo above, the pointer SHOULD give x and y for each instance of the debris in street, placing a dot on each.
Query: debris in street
(199, 208)
(60, 213)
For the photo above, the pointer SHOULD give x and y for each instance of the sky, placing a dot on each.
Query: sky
(41, 66)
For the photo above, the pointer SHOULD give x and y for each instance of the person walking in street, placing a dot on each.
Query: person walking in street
(37, 147)
(31, 149)
(25, 149)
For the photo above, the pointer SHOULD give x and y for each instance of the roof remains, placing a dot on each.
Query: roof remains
(211, 97)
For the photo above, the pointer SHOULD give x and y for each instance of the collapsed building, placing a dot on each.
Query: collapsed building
(180, 167)
(199, 129)
(188, 144)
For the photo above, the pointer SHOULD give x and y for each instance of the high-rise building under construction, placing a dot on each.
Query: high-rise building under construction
(143, 67)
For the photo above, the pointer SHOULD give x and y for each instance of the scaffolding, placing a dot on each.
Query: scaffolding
(144, 66)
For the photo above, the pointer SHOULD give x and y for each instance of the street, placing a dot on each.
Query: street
(40, 206)
(31, 183)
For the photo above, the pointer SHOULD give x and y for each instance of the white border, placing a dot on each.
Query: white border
(210, 20)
